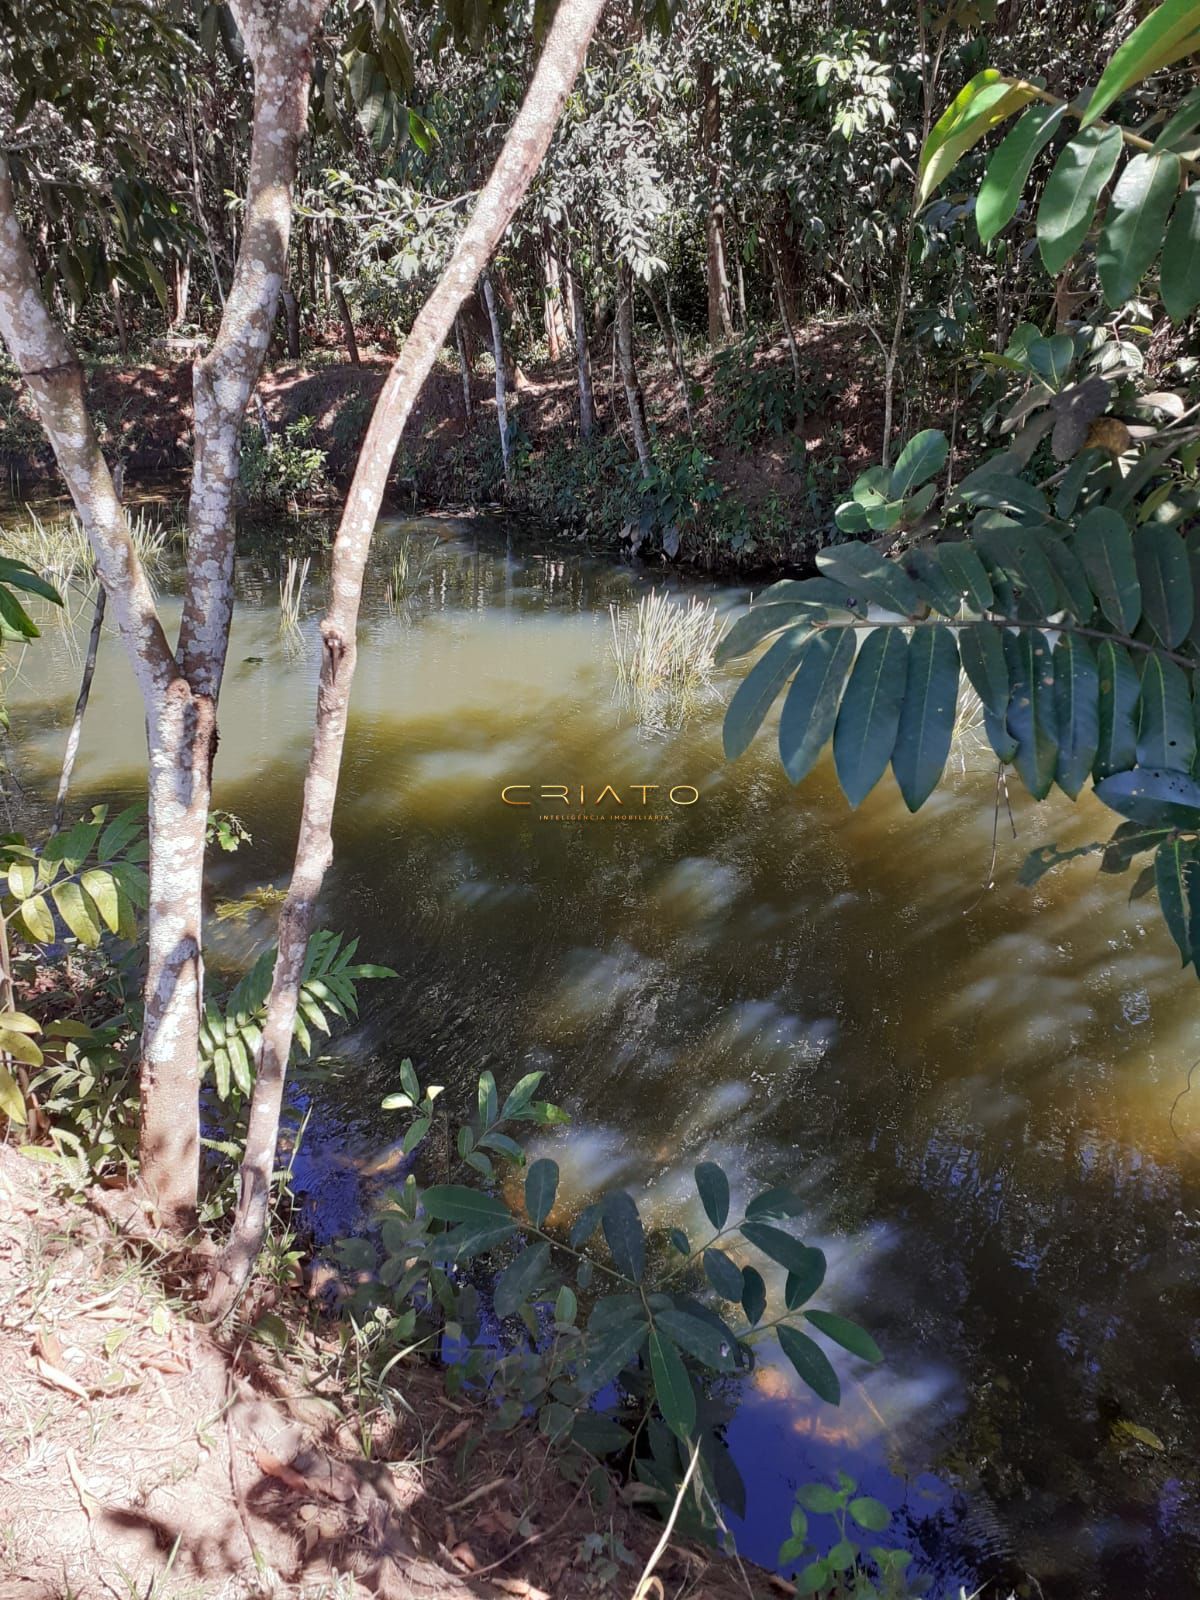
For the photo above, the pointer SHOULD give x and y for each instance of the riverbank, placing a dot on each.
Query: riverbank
(748, 464)
(143, 1453)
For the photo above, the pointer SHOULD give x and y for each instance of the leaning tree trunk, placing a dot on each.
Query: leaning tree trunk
(341, 305)
(583, 359)
(522, 154)
(179, 688)
(720, 323)
(489, 300)
(634, 398)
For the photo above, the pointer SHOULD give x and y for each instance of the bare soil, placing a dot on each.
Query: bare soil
(142, 1455)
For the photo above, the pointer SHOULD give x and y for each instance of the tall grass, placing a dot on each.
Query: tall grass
(291, 597)
(58, 548)
(664, 654)
(412, 560)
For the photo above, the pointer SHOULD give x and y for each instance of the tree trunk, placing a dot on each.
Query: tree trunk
(119, 318)
(556, 332)
(583, 359)
(81, 705)
(464, 367)
(666, 324)
(629, 377)
(291, 312)
(183, 279)
(489, 300)
(522, 154)
(720, 323)
(333, 289)
(784, 315)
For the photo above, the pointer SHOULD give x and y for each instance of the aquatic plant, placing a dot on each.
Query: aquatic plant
(410, 564)
(664, 654)
(57, 548)
(291, 595)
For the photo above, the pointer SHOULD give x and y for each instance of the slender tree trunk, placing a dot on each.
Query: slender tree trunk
(489, 300)
(464, 367)
(119, 319)
(556, 331)
(666, 323)
(291, 312)
(583, 359)
(333, 289)
(720, 324)
(629, 377)
(784, 314)
(524, 149)
(81, 705)
(183, 279)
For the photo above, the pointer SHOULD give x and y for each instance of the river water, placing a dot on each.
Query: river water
(973, 1087)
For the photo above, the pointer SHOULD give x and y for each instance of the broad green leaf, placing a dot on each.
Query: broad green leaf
(519, 1096)
(754, 1294)
(12, 1101)
(18, 575)
(541, 1186)
(1104, 545)
(869, 1513)
(777, 1202)
(102, 888)
(23, 1049)
(808, 592)
(796, 1257)
(623, 1233)
(811, 1362)
(1017, 555)
(610, 1354)
(1182, 121)
(820, 1499)
(865, 734)
(759, 688)
(1069, 199)
(1152, 797)
(566, 1306)
(15, 616)
(705, 1342)
(1180, 273)
(1001, 741)
(927, 572)
(982, 650)
(487, 1100)
(1031, 709)
(1166, 581)
(962, 566)
(1075, 592)
(760, 622)
(1170, 32)
(1076, 712)
(992, 488)
(713, 1188)
(927, 716)
(922, 458)
(1009, 169)
(811, 707)
(988, 100)
(846, 1333)
(455, 1202)
(521, 1278)
(1051, 359)
(1171, 861)
(1134, 223)
(598, 1434)
(725, 1277)
(672, 1386)
(873, 577)
(77, 911)
(474, 1238)
(1166, 735)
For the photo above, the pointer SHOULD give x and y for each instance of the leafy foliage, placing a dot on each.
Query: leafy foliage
(82, 884)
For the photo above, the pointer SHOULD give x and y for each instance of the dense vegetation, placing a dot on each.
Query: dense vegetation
(744, 251)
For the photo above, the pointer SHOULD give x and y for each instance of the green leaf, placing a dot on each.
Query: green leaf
(963, 567)
(1071, 193)
(15, 615)
(1119, 692)
(820, 1499)
(566, 1306)
(1171, 31)
(454, 1202)
(77, 911)
(1166, 734)
(926, 571)
(982, 650)
(18, 575)
(487, 1100)
(754, 1295)
(1076, 712)
(519, 1096)
(1155, 798)
(806, 1263)
(1171, 861)
(1134, 223)
(1104, 545)
(672, 1386)
(623, 1233)
(520, 1278)
(986, 101)
(1182, 121)
(846, 1333)
(865, 733)
(1009, 169)
(872, 576)
(725, 1278)
(612, 1352)
(1019, 555)
(869, 1513)
(598, 1434)
(713, 1188)
(1163, 572)
(775, 1203)
(811, 707)
(758, 623)
(704, 1342)
(811, 1362)
(12, 1101)
(541, 1186)
(1180, 272)
(1031, 710)
(474, 1238)
(927, 717)
(1051, 359)
(759, 688)
(923, 457)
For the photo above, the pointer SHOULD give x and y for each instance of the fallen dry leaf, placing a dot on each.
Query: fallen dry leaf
(519, 1587)
(86, 1499)
(465, 1556)
(285, 1474)
(59, 1379)
(49, 1346)
(447, 1439)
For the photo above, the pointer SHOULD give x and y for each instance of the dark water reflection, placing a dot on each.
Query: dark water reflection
(973, 1089)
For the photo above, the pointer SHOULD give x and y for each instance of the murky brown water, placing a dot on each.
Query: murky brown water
(974, 1088)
